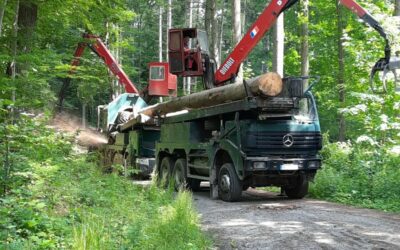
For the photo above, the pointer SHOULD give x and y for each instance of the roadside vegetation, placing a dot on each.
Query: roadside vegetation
(363, 173)
(53, 198)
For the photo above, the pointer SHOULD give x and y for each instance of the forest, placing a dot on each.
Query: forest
(53, 197)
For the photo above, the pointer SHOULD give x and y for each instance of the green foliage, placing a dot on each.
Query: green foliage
(59, 200)
(363, 173)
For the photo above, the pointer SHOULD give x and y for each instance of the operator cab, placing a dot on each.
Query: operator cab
(187, 49)
(161, 81)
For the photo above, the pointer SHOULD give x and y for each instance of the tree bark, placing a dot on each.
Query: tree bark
(397, 7)
(305, 62)
(14, 48)
(160, 36)
(189, 79)
(210, 24)
(237, 30)
(279, 46)
(169, 25)
(2, 8)
(28, 13)
(269, 84)
(341, 76)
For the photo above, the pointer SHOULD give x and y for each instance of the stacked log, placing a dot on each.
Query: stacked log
(267, 85)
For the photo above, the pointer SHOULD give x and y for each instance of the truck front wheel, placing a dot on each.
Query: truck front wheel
(229, 185)
(179, 174)
(299, 190)
(165, 171)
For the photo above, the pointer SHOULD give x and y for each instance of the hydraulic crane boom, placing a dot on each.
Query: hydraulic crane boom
(230, 67)
(101, 50)
(181, 62)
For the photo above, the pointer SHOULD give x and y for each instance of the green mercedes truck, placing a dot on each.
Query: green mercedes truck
(254, 142)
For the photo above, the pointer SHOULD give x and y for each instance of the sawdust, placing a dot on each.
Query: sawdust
(86, 137)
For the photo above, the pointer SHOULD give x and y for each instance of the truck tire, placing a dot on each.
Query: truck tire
(127, 164)
(299, 190)
(179, 174)
(193, 184)
(229, 185)
(164, 173)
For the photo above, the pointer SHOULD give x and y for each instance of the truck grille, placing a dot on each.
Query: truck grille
(273, 141)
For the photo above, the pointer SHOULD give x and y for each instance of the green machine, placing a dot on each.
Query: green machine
(133, 147)
(253, 142)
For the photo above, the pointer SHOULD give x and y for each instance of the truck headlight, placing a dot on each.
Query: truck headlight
(259, 165)
(313, 164)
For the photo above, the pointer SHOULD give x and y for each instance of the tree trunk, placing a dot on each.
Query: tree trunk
(279, 46)
(13, 64)
(2, 8)
(305, 62)
(269, 84)
(169, 25)
(237, 30)
(210, 24)
(26, 22)
(220, 37)
(189, 79)
(397, 7)
(83, 115)
(160, 36)
(341, 79)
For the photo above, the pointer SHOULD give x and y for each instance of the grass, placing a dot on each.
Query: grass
(64, 201)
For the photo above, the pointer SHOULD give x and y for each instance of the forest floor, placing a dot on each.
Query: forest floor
(263, 220)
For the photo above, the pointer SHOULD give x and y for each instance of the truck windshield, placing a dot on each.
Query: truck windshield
(306, 111)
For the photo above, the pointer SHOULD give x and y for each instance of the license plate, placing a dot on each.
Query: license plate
(290, 167)
(142, 161)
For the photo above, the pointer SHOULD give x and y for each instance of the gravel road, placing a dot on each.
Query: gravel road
(263, 220)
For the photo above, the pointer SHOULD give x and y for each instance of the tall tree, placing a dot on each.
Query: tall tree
(305, 62)
(2, 9)
(160, 35)
(169, 24)
(341, 70)
(237, 29)
(188, 79)
(210, 24)
(279, 46)
(397, 7)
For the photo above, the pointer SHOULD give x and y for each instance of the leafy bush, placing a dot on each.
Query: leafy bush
(55, 199)
(360, 174)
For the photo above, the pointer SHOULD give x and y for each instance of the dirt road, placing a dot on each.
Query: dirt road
(264, 221)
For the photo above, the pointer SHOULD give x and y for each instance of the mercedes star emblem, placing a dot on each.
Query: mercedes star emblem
(288, 140)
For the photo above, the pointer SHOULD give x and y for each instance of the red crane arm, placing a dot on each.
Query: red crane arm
(354, 7)
(264, 22)
(101, 50)
(228, 70)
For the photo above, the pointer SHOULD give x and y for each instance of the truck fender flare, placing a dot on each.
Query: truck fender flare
(225, 150)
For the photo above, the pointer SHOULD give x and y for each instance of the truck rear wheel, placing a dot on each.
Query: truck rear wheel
(165, 171)
(229, 186)
(179, 174)
(193, 184)
(299, 190)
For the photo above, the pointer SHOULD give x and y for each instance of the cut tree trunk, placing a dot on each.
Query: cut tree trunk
(341, 76)
(2, 8)
(269, 84)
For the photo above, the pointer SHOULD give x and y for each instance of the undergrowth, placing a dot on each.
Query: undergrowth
(55, 199)
(359, 174)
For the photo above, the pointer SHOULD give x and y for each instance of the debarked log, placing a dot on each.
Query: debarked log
(268, 85)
